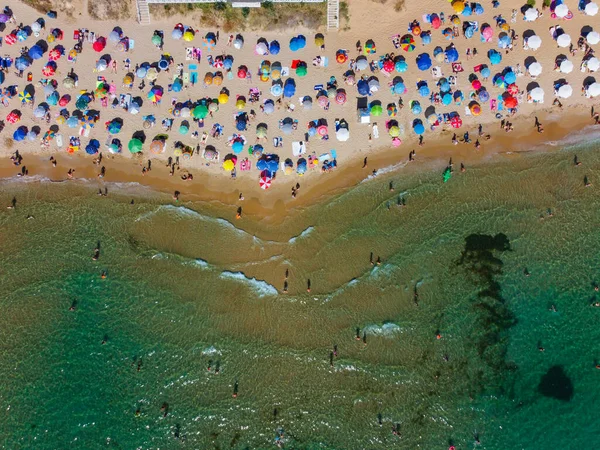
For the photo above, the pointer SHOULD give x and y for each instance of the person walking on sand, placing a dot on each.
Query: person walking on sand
(365, 162)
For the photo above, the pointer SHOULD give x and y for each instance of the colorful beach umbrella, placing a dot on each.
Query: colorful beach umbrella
(407, 43)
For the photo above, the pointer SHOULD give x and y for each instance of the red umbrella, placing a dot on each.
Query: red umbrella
(456, 122)
(54, 54)
(265, 182)
(388, 66)
(436, 22)
(476, 84)
(99, 44)
(512, 89)
(322, 130)
(241, 73)
(64, 100)
(48, 71)
(10, 39)
(510, 102)
(13, 117)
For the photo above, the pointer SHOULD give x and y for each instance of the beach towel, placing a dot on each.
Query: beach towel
(318, 87)
(457, 67)
(192, 66)
(375, 131)
(131, 44)
(59, 140)
(194, 77)
(298, 148)
(333, 154)
(245, 165)
(500, 103)
(186, 77)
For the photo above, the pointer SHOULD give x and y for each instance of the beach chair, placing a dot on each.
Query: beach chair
(59, 140)
(375, 131)
(131, 44)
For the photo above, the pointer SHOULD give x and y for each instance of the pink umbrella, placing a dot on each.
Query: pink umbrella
(487, 32)
(396, 142)
(476, 84)
(265, 182)
(322, 130)
(323, 101)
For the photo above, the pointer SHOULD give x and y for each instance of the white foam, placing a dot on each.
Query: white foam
(203, 264)
(388, 329)
(261, 287)
(387, 169)
(211, 351)
(304, 233)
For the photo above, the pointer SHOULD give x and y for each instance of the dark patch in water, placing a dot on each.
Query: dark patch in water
(556, 384)
(493, 317)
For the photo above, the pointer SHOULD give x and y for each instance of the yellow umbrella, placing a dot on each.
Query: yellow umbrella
(208, 78)
(60, 120)
(394, 131)
(240, 104)
(228, 165)
(319, 40)
(505, 27)
(177, 152)
(264, 77)
(276, 74)
(188, 36)
(223, 98)
(217, 80)
(458, 5)
(127, 80)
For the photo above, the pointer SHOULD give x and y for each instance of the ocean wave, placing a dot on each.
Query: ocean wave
(203, 264)
(387, 329)
(30, 179)
(211, 351)
(304, 233)
(387, 169)
(260, 287)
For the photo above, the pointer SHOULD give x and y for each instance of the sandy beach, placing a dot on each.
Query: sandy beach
(212, 182)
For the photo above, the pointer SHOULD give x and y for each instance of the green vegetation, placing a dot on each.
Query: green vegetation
(269, 17)
(531, 3)
(344, 16)
(109, 9)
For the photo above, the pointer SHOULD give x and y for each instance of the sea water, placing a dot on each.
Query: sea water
(476, 276)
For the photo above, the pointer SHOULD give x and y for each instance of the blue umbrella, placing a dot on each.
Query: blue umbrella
(495, 57)
(510, 77)
(22, 35)
(467, 11)
(478, 9)
(458, 96)
(72, 122)
(416, 108)
(297, 43)
(35, 52)
(301, 166)
(114, 36)
(485, 72)
(114, 127)
(312, 131)
(141, 72)
(469, 32)
(228, 62)
(503, 41)
(363, 87)
(444, 86)
(53, 98)
(237, 147)
(20, 133)
(425, 38)
(240, 124)
(272, 165)
(484, 96)
(301, 41)
(276, 90)
(423, 61)
(289, 88)
(452, 55)
(261, 164)
(447, 99)
(399, 88)
(274, 48)
(92, 147)
(163, 64)
(401, 66)
(22, 63)
(418, 127)
(424, 90)
(177, 33)
(176, 87)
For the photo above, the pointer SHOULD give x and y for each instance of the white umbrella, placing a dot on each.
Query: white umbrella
(565, 91)
(561, 11)
(534, 42)
(261, 48)
(342, 134)
(535, 69)
(593, 64)
(531, 14)
(591, 9)
(564, 40)
(593, 37)
(593, 89)
(238, 44)
(566, 66)
(537, 94)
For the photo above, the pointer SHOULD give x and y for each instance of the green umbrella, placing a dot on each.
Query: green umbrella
(200, 112)
(183, 129)
(301, 71)
(447, 173)
(135, 145)
(376, 110)
(156, 40)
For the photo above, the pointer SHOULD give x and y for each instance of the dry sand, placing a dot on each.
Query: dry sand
(367, 20)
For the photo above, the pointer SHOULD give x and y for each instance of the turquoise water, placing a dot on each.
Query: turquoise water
(187, 289)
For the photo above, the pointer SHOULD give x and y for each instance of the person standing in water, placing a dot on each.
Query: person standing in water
(235, 389)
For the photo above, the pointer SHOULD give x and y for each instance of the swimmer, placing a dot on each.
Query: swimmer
(391, 186)
(287, 273)
(104, 339)
(335, 350)
(477, 144)
(73, 306)
(331, 359)
(235, 389)
(70, 173)
(526, 272)
(596, 287)
(103, 275)
(364, 338)
(217, 367)
(371, 259)
(357, 334)
(308, 285)
(239, 213)
(29, 217)
(364, 162)
(552, 308)
(438, 335)
(576, 161)
(165, 409)
(379, 260)
(209, 364)
(540, 348)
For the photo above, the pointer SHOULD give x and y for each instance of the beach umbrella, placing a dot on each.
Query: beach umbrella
(72, 122)
(340, 97)
(401, 66)
(399, 88)
(435, 21)
(565, 91)
(101, 65)
(373, 85)
(151, 74)
(424, 90)
(512, 89)
(342, 134)
(510, 77)
(425, 38)
(237, 147)
(261, 49)
(54, 54)
(135, 145)
(537, 94)
(534, 42)
(593, 64)
(156, 40)
(452, 55)
(116, 34)
(240, 123)
(14, 116)
(593, 37)
(456, 122)
(301, 166)
(276, 90)
(376, 110)
(114, 127)
(25, 97)
(388, 66)
(261, 131)
(531, 14)
(416, 108)
(535, 69)
(447, 99)
(92, 147)
(564, 40)
(155, 94)
(593, 90)
(289, 88)
(213, 106)
(323, 100)
(591, 9)
(223, 98)
(176, 34)
(394, 131)
(48, 70)
(561, 11)
(301, 70)
(209, 41)
(483, 95)
(99, 44)
(238, 43)
(22, 63)
(20, 133)
(274, 47)
(157, 146)
(22, 35)
(363, 87)
(495, 57)
(53, 98)
(35, 52)
(10, 39)
(407, 43)
(242, 72)
(229, 164)
(566, 66)
(39, 112)
(200, 112)
(68, 83)
(458, 6)
(392, 110)
(240, 103)
(503, 40)
(510, 102)
(32, 135)
(486, 72)
(423, 61)
(188, 35)
(475, 108)
(287, 127)
(418, 127)
(185, 112)
(265, 182)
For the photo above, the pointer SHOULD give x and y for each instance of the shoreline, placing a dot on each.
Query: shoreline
(274, 206)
